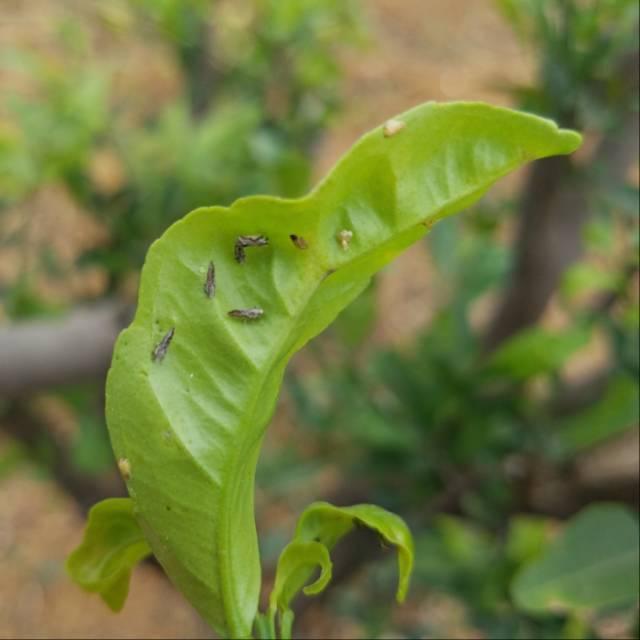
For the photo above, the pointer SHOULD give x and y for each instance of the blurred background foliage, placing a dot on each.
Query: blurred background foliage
(484, 427)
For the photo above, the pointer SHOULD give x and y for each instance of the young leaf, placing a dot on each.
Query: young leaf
(537, 351)
(190, 423)
(593, 564)
(327, 524)
(296, 562)
(112, 545)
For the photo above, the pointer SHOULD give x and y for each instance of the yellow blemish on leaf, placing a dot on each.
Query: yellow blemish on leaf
(124, 467)
(391, 127)
(344, 238)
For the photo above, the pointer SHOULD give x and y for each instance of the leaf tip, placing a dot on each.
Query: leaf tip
(569, 141)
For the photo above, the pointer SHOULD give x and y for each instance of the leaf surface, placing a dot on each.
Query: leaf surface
(537, 351)
(593, 564)
(327, 524)
(113, 544)
(190, 420)
(296, 563)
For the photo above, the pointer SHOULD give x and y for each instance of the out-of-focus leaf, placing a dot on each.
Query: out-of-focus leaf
(599, 235)
(537, 351)
(113, 544)
(527, 538)
(91, 450)
(584, 277)
(356, 322)
(593, 564)
(467, 545)
(615, 412)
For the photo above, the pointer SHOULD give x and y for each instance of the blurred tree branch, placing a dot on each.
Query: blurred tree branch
(554, 207)
(195, 54)
(45, 353)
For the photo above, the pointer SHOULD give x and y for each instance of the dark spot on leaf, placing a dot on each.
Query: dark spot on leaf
(299, 241)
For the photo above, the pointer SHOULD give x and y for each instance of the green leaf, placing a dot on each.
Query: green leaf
(295, 564)
(527, 538)
(319, 529)
(537, 351)
(584, 277)
(593, 564)
(323, 522)
(112, 545)
(614, 413)
(190, 423)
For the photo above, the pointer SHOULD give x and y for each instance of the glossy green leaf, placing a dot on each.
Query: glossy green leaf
(113, 544)
(190, 421)
(537, 351)
(592, 564)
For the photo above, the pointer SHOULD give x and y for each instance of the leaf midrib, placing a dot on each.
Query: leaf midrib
(226, 489)
(251, 438)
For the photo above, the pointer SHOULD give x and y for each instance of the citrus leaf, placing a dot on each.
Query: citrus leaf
(611, 415)
(327, 524)
(113, 544)
(192, 388)
(297, 561)
(593, 564)
(537, 351)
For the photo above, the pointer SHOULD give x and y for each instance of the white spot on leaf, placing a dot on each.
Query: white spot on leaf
(391, 127)
(344, 238)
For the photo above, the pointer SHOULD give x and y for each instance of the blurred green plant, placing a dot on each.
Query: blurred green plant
(261, 82)
(444, 425)
(257, 84)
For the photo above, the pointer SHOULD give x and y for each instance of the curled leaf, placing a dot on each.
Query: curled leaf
(113, 544)
(327, 524)
(190, 417)
(297, 561)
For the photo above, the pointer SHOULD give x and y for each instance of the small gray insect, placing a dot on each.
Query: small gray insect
(299, 241)
(248, 241)
(160, 350)
(253, 313)
(210, 282)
